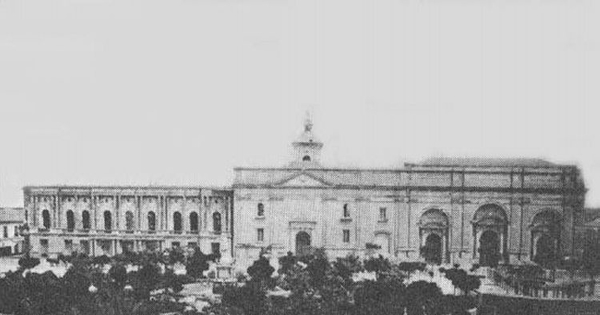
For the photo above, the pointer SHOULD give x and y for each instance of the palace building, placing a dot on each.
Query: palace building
(112, 220)
(463, 210)
(449, 210)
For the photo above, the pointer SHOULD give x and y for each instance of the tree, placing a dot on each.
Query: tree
(250, 299)
(261, 270)
(381, 297)
(101, 260)
(431, 254)
(378, 265)
(118, 273)
(590, 259)
(286, 263)
(317, 267)
(27, 262)
(347, 266)
(461, 280)
(196, 264)
(410, 267)
(423, 298)
(175, 255)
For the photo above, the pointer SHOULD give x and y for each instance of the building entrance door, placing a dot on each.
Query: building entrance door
(432, 251)
(544, 250)
(489, 249)
(302, 244)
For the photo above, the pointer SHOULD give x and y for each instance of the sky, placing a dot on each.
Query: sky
(177, 92)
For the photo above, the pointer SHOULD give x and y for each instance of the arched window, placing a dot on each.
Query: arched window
(107, 221)
(346, 211)
(177, 222)
(46, 219)
(306, 158)
(151, 221)
(217, 222)
(70, 221)
(129, 224)
(85, 218)
(194, 222)
(260, 211)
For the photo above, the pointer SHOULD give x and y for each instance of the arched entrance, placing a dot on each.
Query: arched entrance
(545, 232)
(302, 244)
(489, 248)
(432, 251)
(544, 249)
(490, 226)
(433, 233)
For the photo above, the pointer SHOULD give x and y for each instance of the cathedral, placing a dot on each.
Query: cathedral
(442, 210)
(458, 210)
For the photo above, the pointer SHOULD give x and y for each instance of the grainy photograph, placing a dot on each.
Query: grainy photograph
(299, 157)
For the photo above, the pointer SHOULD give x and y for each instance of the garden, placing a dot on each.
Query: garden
(153, 283)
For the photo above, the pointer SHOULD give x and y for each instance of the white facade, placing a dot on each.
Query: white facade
(11, 240)
(468, 210)
(111, 220)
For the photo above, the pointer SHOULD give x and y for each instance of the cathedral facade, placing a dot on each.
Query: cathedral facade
(446, 210)
(102, 220)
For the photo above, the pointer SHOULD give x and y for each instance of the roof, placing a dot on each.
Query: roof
(12, 215)
(486, 162)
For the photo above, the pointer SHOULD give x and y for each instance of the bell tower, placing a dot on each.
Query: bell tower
(307, 148)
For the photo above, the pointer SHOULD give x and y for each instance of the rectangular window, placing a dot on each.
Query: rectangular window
(346, 236)
(175, 244)
(44, 246)
(215, 248)
(382, 214)
(84, 246)
(346, 211)
(260, 235)
(16, 231)
(6, 232)
(260, 210)
(68, 245)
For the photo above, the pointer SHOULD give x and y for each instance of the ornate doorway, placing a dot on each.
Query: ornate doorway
(544, 249)
(432, 251)
(433, 234)
(489, 249)
(302, 244)
(490, 226)
(545, 233)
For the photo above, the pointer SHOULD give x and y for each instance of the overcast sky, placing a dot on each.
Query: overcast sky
(181, 91)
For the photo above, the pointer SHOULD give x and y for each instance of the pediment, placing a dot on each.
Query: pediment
(303, 180)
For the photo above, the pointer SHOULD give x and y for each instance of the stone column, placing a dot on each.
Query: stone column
(94, 211)
(138, 207)
(117, 205)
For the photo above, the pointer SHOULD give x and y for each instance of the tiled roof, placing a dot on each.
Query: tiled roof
(486, 162)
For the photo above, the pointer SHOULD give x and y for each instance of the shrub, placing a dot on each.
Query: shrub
(27, 262)
(261, 270)
(287, 262)
(196, 264)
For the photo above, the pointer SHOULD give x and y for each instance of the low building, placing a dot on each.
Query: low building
(11, 240)
(108, 220)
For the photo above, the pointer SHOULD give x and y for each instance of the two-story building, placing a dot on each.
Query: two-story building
(11, 240)
(108, 220)
(458, 210)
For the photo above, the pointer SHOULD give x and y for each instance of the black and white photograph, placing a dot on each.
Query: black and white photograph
(299, 157)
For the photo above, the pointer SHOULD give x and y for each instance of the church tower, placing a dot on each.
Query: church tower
(307, 148)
